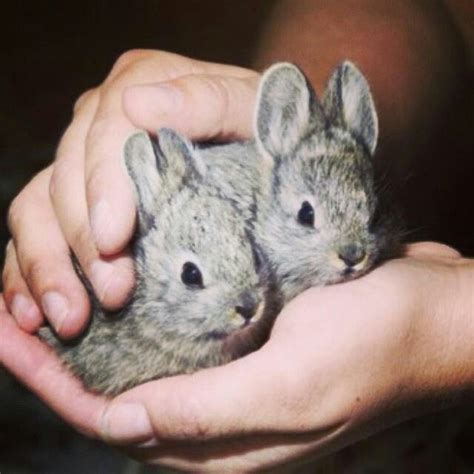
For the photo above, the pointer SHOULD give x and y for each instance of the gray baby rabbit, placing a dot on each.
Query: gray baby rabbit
(310, 174)
(202, 294)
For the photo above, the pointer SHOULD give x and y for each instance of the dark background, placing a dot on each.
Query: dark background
(51, 52)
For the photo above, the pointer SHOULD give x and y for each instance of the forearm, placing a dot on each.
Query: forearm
(410, 51)
(454, 326)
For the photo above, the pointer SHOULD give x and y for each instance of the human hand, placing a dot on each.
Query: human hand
(84, 201)
(342, 361)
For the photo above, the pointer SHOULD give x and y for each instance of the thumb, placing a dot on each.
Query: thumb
(36, 366)
(430, 250)
(233, 400)
(201, 106)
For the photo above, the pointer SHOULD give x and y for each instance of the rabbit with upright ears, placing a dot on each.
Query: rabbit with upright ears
(323, 221)
(205, 292)
(202, 295)
(309, 178)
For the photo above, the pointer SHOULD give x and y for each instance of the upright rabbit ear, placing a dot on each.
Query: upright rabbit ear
(158, 171)
(348, 103)
(287, 109)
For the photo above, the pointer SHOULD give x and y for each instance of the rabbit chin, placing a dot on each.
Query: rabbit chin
(341, 275)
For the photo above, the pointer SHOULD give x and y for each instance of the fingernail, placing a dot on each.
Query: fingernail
(101, 220)
(126, 422)
(56, 307)
(109, 282)
(101, 274)
(161, 95)
(23, 308)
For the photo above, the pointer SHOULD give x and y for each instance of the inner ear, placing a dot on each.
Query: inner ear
(286, 110)
(349, 104)
(177, 160)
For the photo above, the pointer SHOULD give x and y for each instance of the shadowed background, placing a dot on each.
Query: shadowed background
(51, 53)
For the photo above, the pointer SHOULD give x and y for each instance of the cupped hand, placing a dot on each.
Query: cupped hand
(342, 362)
(84, 202)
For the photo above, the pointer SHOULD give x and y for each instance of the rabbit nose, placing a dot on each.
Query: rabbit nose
(248, 306)
(351, 254)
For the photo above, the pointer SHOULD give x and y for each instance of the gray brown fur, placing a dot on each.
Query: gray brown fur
(200, 206)
(305, 150)
(168, 327)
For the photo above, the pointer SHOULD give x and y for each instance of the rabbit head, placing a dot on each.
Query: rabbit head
(202, 297)
(320, 223)
(201, 279)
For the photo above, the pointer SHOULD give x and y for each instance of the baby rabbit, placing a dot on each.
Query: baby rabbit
(310, 172)
(202, 295)
(304, 186)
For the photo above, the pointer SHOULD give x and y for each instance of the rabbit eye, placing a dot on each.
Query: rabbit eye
(306, 214)
(191, 275)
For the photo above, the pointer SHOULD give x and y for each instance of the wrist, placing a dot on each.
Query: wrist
(444, 349)
(463, 325)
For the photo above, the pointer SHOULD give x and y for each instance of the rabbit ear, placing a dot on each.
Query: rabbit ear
(140, 161)
(177, 163)
(348, 103)
(286, 110)
(158, 172)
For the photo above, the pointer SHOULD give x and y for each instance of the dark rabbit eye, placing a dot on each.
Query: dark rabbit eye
(191, 275)
(306, 214)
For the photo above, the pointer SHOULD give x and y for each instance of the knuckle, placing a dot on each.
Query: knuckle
(63, 152)
(14, 215)
(220, 94)
(9, 248)
(28, 197)
(140, 66)
(81, 242)
(83, 99)
(10, 286)
(60, 175)
(218, 97)
(98, 129)
(128, 58)
(37, 274)
(7, 270)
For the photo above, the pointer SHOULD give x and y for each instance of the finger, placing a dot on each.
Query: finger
(35, 365)
(44, 259)
(111, 278)
(109, 194)
(430, 250)
(201, 106)
(246, 398)
(17, 295)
